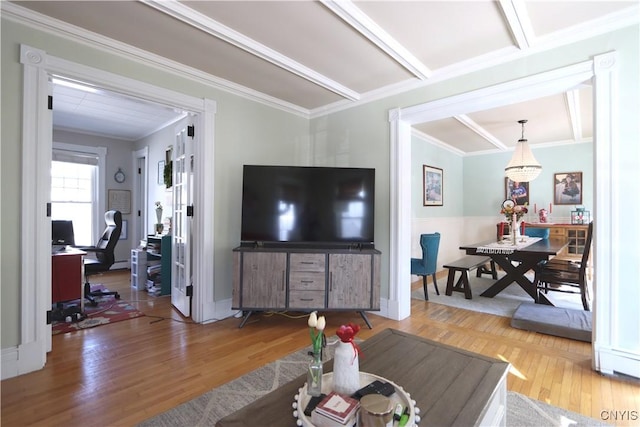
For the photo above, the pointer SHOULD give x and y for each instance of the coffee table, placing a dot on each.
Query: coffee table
(450, 386)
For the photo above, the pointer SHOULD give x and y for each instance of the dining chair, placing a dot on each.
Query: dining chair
(427, 265)
(566, 275)
(535, 231)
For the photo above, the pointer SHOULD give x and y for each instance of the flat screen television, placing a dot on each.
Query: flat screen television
(298, 205)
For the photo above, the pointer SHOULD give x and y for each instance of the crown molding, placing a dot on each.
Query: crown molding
(75, 34)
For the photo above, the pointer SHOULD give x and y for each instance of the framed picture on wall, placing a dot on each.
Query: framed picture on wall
(567, 188)
(516, 191)
(433, 185)
(161, 172)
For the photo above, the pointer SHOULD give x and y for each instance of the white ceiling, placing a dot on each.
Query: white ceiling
(312, 57)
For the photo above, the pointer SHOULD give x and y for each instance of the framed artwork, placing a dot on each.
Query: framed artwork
(161, 172)
(119, 200)
(433, 184)
(516, 191)
(567, 188)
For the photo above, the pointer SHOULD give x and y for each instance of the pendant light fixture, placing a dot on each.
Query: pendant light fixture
(523, 167)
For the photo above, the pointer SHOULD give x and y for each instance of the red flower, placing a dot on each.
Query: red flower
(347, 332)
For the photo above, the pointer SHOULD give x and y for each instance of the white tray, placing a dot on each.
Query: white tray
(400, 396)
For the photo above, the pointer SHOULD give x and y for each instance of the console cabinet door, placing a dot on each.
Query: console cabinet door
(349, 281)
(264, 276)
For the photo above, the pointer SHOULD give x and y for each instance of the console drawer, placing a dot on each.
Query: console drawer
(306, 299)
(307, 262)
(306, 281)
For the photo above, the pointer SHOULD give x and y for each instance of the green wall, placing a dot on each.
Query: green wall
(245, 132)
(484, 179)
(248, 132)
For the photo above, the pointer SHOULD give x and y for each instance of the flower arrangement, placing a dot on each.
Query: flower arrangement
(518, 210)
(316, 331)
(347, 334)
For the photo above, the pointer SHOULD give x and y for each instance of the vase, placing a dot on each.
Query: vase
(159, 215)
(314, 376)
(346, 369)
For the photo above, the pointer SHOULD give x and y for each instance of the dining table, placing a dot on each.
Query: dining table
(516, 260)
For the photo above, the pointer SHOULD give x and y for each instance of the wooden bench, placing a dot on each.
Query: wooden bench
(464, 265)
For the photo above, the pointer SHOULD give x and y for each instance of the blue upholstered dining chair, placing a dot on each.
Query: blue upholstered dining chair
(426, 265)
(536, 232)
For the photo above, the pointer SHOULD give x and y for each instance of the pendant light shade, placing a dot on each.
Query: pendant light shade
(523, 167)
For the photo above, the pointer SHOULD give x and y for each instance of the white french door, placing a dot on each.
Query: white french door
(182, 202)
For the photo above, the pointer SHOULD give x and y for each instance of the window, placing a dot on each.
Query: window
(72, 196)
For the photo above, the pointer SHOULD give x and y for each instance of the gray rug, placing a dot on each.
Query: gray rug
(207, 409)
(504, 304)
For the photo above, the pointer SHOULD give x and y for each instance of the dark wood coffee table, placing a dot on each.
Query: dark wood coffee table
(450, 386)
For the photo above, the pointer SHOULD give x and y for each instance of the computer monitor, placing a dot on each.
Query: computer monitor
(62, 233)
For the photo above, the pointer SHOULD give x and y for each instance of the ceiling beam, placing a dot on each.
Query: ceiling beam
(466, 120)
(517, 17)
(572, 98)
(355, 17)
(198, 20)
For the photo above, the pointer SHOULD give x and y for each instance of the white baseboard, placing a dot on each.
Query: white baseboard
(9, 362)
(611, 361)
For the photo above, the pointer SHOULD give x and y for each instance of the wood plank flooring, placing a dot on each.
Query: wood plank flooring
(123, 373)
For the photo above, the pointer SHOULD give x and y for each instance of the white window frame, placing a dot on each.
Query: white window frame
(99, 192)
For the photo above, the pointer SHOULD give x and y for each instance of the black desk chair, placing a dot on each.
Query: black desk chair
(104, 256)
(568, 276)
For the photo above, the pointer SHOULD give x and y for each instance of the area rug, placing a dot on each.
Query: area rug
(215, 404)
(504, 304)
(109, 310)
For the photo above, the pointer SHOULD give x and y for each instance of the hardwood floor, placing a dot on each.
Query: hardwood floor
(123, 373)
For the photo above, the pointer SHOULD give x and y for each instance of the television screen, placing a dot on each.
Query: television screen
(298, 204)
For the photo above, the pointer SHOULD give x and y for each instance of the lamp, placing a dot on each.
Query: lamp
(523, 167)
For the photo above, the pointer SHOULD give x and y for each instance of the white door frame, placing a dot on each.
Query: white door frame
(138, 195)
(38, 66)
(601, 72)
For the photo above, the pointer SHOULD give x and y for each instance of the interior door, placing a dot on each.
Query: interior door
(182, 195)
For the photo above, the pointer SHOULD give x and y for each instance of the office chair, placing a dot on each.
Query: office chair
(569, 276)
(104, 256)
(428, 263)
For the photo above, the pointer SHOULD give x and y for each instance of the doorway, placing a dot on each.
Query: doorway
(38, 69)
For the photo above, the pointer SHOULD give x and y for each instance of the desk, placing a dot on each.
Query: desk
(450, 386)
(525, 259)
(67, 272)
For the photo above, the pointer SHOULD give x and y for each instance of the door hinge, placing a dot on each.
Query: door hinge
(48, 209)
(49, 317)
(189, 290)
(139, 213)
(191, 131)
(50, 102)
(190, 210)
(139, 171)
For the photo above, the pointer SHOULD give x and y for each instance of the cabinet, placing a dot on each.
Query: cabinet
(159, 249)
(575, 234)
(303, 279)
(138, 269)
